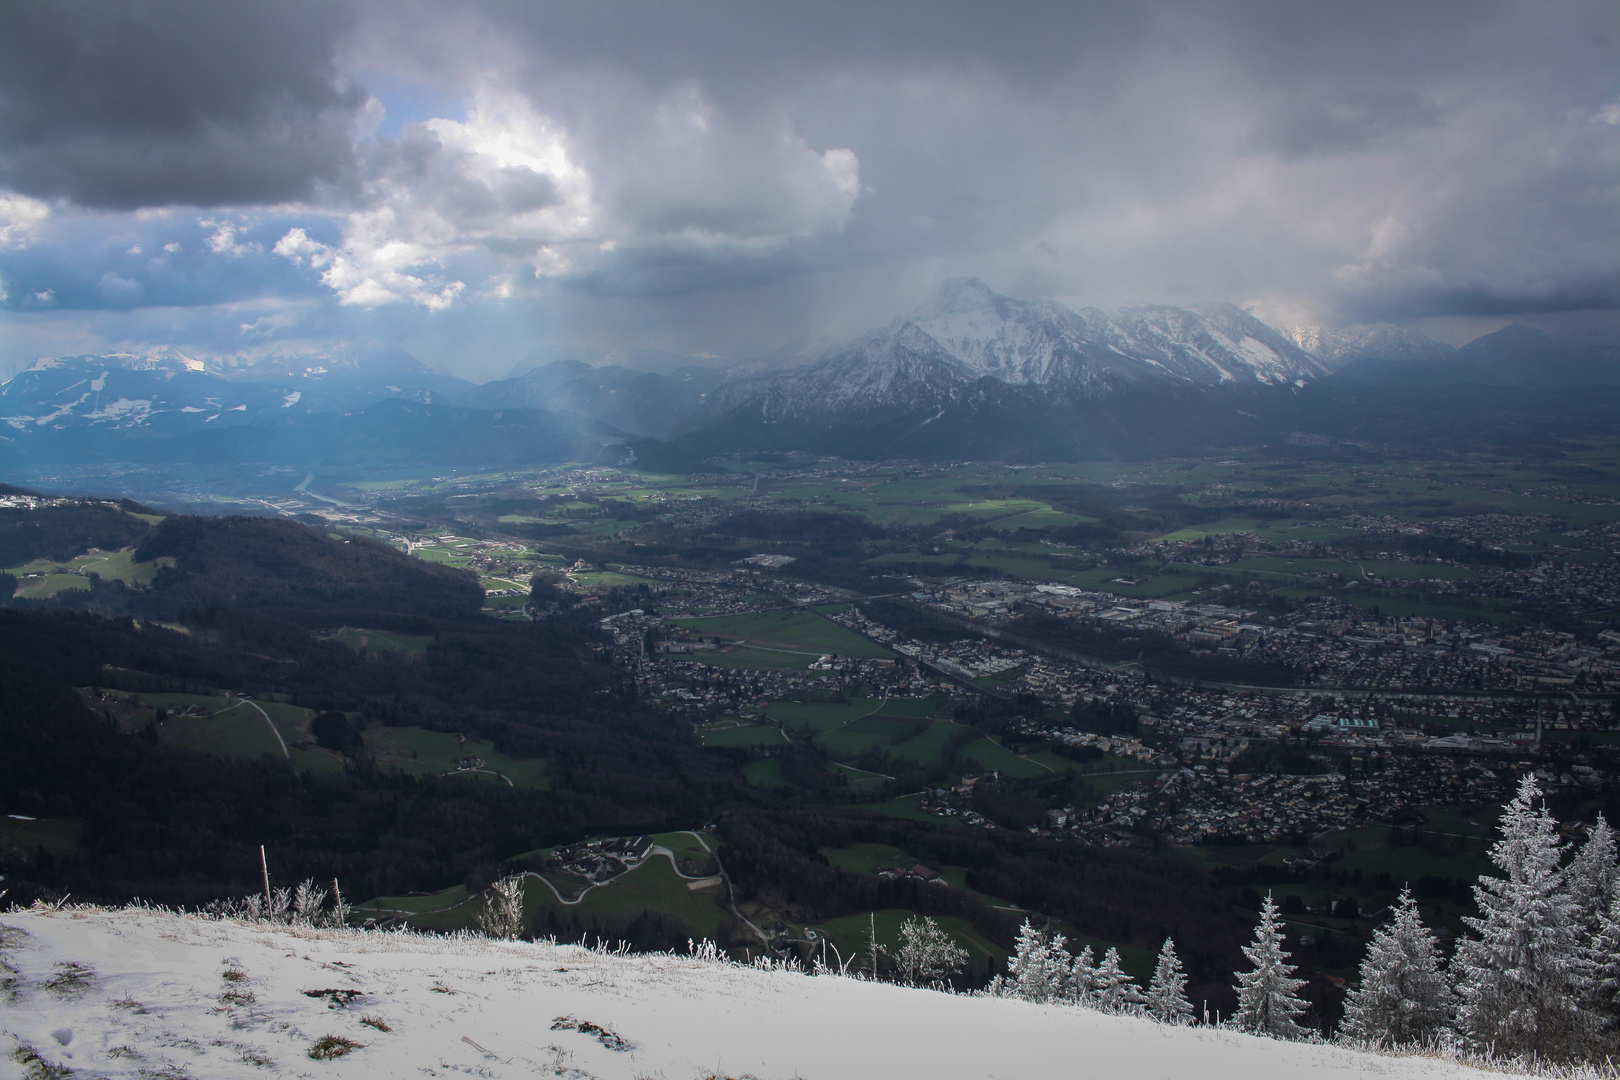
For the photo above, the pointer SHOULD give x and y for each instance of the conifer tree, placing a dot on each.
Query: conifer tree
(1404, 996)
(1167, 991)
(1593, 877)
(1082, 981)
(1039, 966)
(1592, 884)
(1524, 978)
(1116, 991)
(1604, 993)
(1268, 996)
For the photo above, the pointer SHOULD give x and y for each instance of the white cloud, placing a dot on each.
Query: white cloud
(223, 240)
(120, 289)
(20, 217)
(500, 184)
(506, 194)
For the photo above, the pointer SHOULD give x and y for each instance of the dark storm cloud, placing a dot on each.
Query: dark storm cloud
(722, 175)
(130, 103)
(1348, 121)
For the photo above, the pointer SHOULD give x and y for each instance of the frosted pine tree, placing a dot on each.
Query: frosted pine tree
(1522, 981)
(1116, 991)
(1167, 991)
(1592, 883)
(1082, 981)
(1039, 967)
(1604, 992)
(1268, 996)
(1404, 996)
(1593, 877)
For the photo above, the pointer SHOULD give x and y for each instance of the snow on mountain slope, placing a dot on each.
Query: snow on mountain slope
(930, 358)
(139, 993)
(1379, 342)
(124, 390)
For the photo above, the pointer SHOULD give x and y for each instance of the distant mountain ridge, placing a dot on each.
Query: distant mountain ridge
(932, 357)
(972, 370)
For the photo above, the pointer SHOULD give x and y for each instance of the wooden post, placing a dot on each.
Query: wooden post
(264, 865)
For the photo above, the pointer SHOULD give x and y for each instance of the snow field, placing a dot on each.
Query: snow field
(161, 994)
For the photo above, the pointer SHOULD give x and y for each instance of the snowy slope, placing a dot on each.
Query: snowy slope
(930, 358)
(150, 1004)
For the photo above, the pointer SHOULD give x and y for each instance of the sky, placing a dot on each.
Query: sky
(487, 183)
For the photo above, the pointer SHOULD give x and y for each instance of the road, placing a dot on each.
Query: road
(655, 851)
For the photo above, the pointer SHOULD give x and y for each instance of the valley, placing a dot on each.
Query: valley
(945, 681)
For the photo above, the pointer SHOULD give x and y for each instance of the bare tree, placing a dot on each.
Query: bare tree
(502, 917)
(927, 954)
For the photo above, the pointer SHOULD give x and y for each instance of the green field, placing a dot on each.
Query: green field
(652, 885)
(377, 642)
(766, 773)
(689, 849)
(57, 577)
(882, 732)
(868, 858)
(607, 579)
(421, 752)
(848, 937)
(233, 728)
(802, 635)
(383, 906)
(730, 732)
(819, 716)
(59, 836)
(908, 808)
(915, 707)
(991, 755)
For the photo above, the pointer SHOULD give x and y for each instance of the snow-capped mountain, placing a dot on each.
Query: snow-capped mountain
(931, 358)
(124, 390)
(1338, 348)
(352, 375)
(1515, 355)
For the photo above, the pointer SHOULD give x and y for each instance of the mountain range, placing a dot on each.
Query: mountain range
(970, 370)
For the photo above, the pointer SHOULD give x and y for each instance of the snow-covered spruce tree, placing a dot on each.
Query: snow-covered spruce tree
(1524, 979)
(502, 917)
(1604, 994)
(1082, 980)
(1166, 998)
(1593, 877)
(927, 954)
(1039, 966)
(1592, 882)
(1116, 991)
(1404, 996)
(1268, 996)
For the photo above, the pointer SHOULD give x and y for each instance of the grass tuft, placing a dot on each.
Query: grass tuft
(329, 1047)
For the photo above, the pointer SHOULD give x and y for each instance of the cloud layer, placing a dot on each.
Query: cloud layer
(477, 181)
